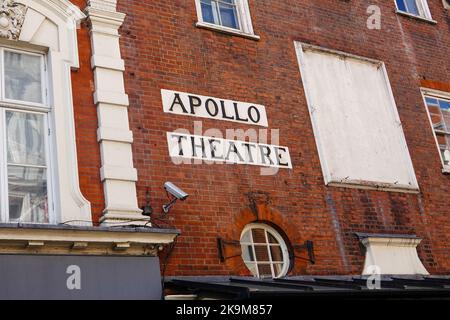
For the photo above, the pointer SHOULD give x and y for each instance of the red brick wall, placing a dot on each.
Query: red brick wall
(86, 123)
(163, 49)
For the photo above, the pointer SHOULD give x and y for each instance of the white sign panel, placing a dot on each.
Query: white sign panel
(213, 108)
(356, 125)
(227, 151)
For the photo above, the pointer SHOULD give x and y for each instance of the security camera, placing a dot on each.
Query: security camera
(175, 191)
(177, 194)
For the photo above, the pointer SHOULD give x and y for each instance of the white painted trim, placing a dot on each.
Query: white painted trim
(244, 18)
(115, 138)
(437, 94)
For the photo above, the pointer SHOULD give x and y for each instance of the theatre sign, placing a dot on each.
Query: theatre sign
(218, 150)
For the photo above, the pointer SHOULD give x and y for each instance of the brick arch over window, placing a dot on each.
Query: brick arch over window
(262, 213)
(50, 27)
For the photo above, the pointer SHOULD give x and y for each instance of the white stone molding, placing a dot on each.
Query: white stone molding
(12, 15)
(50, 26)
(74, 240)
(117, 173)
(392, 254)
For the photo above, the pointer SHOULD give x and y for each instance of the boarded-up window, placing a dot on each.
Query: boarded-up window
(356, 125)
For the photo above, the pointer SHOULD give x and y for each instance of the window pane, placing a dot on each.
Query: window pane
(401, 5)
(259, 236)
(207, 11)
(27, 189)
(262, 254)
(265, 271)
(277, 253)
(247, 253)
(272, 239)
(23, 78)
(445, 108)
(412, 7)
(228, 15)
(25, 138)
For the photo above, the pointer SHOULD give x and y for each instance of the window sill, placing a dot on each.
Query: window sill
(403, 13)
(213, 27)
(446, 170)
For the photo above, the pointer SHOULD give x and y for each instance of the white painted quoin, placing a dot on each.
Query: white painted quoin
(114, 135)
(49, 28)
(356, 125)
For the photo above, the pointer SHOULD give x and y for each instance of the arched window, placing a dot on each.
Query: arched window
(25, 182)
(264, 251)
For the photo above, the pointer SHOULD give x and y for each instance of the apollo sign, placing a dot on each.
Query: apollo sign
(215, 149)
(213, 108)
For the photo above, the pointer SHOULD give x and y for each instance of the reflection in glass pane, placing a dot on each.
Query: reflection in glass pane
(27, 190)
(25, 138)
(265, 271)
(207, 11)
(272, 239)
(412, 7)
(277, 268)
(23, 78)
(229, 16)
(247, 253)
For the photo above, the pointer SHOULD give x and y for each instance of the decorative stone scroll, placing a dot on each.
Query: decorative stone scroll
(12, 15)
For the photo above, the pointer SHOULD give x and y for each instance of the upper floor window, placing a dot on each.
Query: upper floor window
(264, 251)
(25, 191)
(418, 8)
(439, 111)
(232, 16)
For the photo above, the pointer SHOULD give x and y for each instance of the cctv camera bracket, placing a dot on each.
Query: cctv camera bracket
(166, 208)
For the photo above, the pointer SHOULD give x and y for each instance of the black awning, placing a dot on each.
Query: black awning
(336, 287)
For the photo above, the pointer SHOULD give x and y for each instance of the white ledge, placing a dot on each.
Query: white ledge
(222, 29)
(403, 13)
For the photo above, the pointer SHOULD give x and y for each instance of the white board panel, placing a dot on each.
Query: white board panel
(356, 124)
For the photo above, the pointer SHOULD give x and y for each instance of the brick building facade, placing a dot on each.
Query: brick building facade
(332, 210)
(164, 49)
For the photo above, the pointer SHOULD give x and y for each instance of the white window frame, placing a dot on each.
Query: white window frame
(424, 11)
(243, 16)
(26, 107)
(281, 242)
(426, 92)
